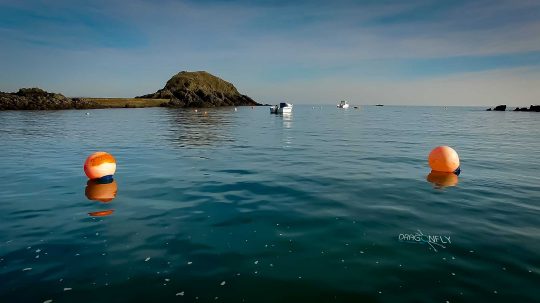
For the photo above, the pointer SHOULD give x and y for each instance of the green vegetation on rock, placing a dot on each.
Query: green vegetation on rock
(200, 89)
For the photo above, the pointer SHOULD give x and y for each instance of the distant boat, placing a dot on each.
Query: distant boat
(343, 104)
(283, 107)
(379, 105)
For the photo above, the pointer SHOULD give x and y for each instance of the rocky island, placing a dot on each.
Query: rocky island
(185, 89)
(200, 89)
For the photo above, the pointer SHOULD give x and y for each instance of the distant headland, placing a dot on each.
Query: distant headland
(502, 108)
(185, 89)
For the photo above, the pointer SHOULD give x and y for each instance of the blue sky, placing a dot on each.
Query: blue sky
(392, 52)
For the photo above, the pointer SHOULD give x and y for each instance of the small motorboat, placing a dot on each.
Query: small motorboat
(281, 108)
(343, 104)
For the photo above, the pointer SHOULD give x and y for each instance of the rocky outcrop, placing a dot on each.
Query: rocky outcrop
(532, 108)
(200, 89)
(501, 108)
(38, 99)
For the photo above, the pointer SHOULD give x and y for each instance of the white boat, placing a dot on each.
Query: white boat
(281, 108)
(343, 104)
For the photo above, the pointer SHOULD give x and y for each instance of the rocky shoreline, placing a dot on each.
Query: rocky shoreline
(38, 99)
(185, 89)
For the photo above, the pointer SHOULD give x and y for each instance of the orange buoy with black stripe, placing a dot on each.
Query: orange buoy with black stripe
(100, 165)
(444, 159)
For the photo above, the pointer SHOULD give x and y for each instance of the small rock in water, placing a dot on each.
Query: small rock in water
(256, 262)
(147, 259)
(180, 293)
(38, 251)
(167, 280)
(222, 283)
(189, 263)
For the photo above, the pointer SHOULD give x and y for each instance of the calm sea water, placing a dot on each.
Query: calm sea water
(251, 207)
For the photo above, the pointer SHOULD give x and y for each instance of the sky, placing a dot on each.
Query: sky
(414, 52)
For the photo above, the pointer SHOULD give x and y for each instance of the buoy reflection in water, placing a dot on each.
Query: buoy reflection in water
(101, 192)
(442, 179)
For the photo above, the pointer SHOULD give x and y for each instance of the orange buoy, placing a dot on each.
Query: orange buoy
(441, 179)
(99, 165)
(102, 192)
(444, 159)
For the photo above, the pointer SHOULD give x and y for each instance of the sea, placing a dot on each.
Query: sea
(225, 205)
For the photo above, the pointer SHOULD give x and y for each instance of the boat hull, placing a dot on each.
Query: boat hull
(281, 110)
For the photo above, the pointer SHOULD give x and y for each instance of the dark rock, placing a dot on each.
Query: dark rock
(534, 108)
(500, 108)
(489, 109)
(38, 99)
(200, 89)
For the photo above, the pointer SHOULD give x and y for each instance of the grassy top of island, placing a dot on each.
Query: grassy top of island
(126, 102)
